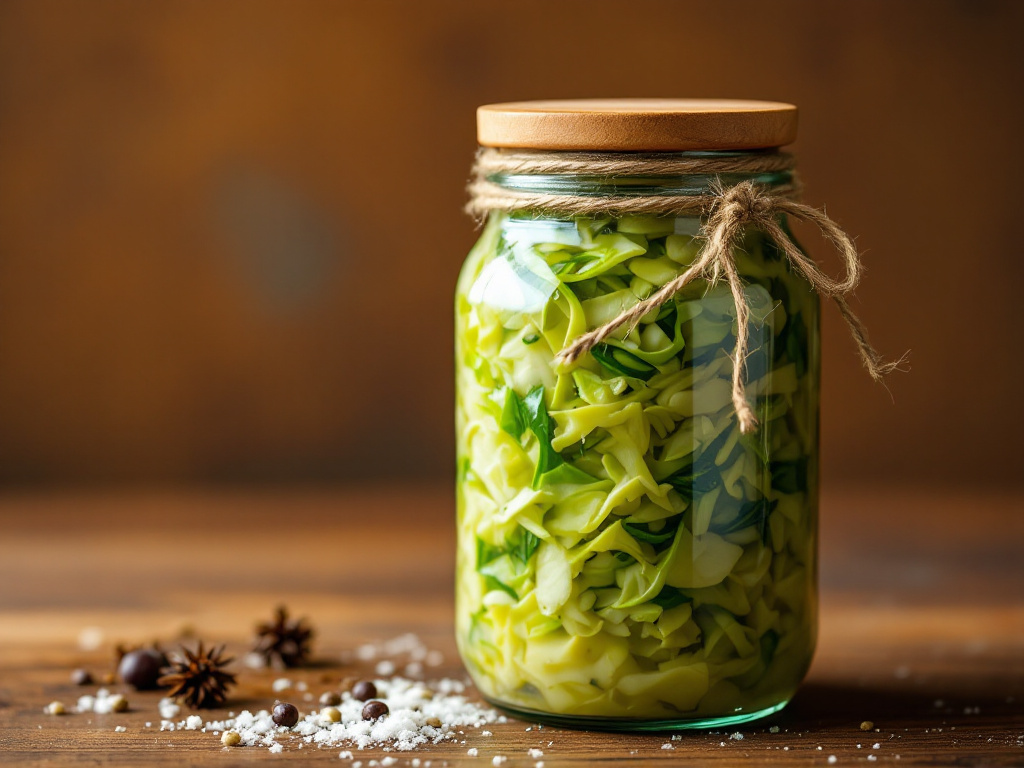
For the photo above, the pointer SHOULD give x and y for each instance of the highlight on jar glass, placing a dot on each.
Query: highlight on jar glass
(637, 368)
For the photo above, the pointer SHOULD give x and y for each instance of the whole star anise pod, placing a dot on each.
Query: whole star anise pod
(198, 678)
(283, 642)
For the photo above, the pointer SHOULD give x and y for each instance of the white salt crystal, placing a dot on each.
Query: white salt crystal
(193, 722)
(832, 759)
(876, 745)
(282, 684)
(120, 729)
(388, 761)
(535, 753)
(472, 752)
(667, 745)
(498, 760)
(737, 736)
(385, 668)
(275, 748)
(773, 729)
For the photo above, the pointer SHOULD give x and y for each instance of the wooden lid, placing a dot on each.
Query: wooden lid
(624, 125)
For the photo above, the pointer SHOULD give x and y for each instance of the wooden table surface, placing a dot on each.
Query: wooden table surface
(922, 624)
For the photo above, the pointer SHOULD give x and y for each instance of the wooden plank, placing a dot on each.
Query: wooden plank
(922, 627)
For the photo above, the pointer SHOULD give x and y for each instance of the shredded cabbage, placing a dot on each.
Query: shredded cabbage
(623, 550)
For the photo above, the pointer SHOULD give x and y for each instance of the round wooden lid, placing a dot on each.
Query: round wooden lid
(637, 125)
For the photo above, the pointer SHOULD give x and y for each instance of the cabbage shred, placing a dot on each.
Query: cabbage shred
(624, 552)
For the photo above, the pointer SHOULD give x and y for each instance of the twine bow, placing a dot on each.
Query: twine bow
(729, 212)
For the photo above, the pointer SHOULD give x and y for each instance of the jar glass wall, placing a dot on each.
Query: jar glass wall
(627, 559)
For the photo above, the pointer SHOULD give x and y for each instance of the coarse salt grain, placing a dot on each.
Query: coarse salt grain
(120, 729)
(773, 729)
(498, 760)
(872, 758)
(737, 736)
(193, 723)
(472, 752)
(667, 745)
(275, 748)
(388, 761)
(385, 668)
(281, 684)
(832, 759)
(535, 753)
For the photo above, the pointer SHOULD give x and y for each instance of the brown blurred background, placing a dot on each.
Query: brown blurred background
(229, 231)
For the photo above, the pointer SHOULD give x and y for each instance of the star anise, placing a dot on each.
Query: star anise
(198, 678)
(283, 642)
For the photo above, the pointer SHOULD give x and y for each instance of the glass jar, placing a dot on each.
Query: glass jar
(628, 559)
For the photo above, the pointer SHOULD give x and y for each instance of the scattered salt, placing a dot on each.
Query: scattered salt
(486, 733)
(193, 722)
(535, 753)
(872, 758)
(498, 760)
(388, 761)
(667, 745)
(472, 752)
(282, 684)
(103, 703)
(275, 748)
(832, 759)
(385, 668)
(120, 729)
(877, 745)
(737, 736)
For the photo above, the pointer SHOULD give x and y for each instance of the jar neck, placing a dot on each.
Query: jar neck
(694, 184)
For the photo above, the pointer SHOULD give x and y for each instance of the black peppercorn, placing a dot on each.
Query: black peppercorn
(375, 709)
(330, 699)
(81, 677)
(141, 668)
(364, 690)
(285, 714)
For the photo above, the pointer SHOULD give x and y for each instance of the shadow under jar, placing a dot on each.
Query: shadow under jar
(628, 559)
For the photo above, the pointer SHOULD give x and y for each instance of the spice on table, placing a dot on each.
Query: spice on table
(199, 678)
(283, 642)
(364, 690)
(285, 714)
(140, 668)
(55, 708)
(118, 703)
(434, 722)
(867, 725)
(231, 739)
(330, 699)
(331, 714)
(81, 677)
(374, 710)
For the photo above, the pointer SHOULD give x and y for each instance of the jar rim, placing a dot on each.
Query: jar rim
(637, 125)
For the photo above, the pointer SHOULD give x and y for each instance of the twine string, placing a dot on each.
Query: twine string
(728, 212)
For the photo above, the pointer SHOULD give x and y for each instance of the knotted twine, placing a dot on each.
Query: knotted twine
(727, 212)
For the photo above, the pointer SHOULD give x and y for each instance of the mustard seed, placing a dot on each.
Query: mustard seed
(331, 699)
(374, 710)
(364, 690)
(231, 739)
(55, 708)
(285, 714)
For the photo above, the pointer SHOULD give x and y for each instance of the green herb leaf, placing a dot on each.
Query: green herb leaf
(789, 476)
(671, 597)
(643, 533)
(524, 545)
(623, 363)
(512, 414)
(533, 338)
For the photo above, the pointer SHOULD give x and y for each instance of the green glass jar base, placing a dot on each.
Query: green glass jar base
(625, 725)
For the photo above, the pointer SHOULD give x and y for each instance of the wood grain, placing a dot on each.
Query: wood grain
(922, 626)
